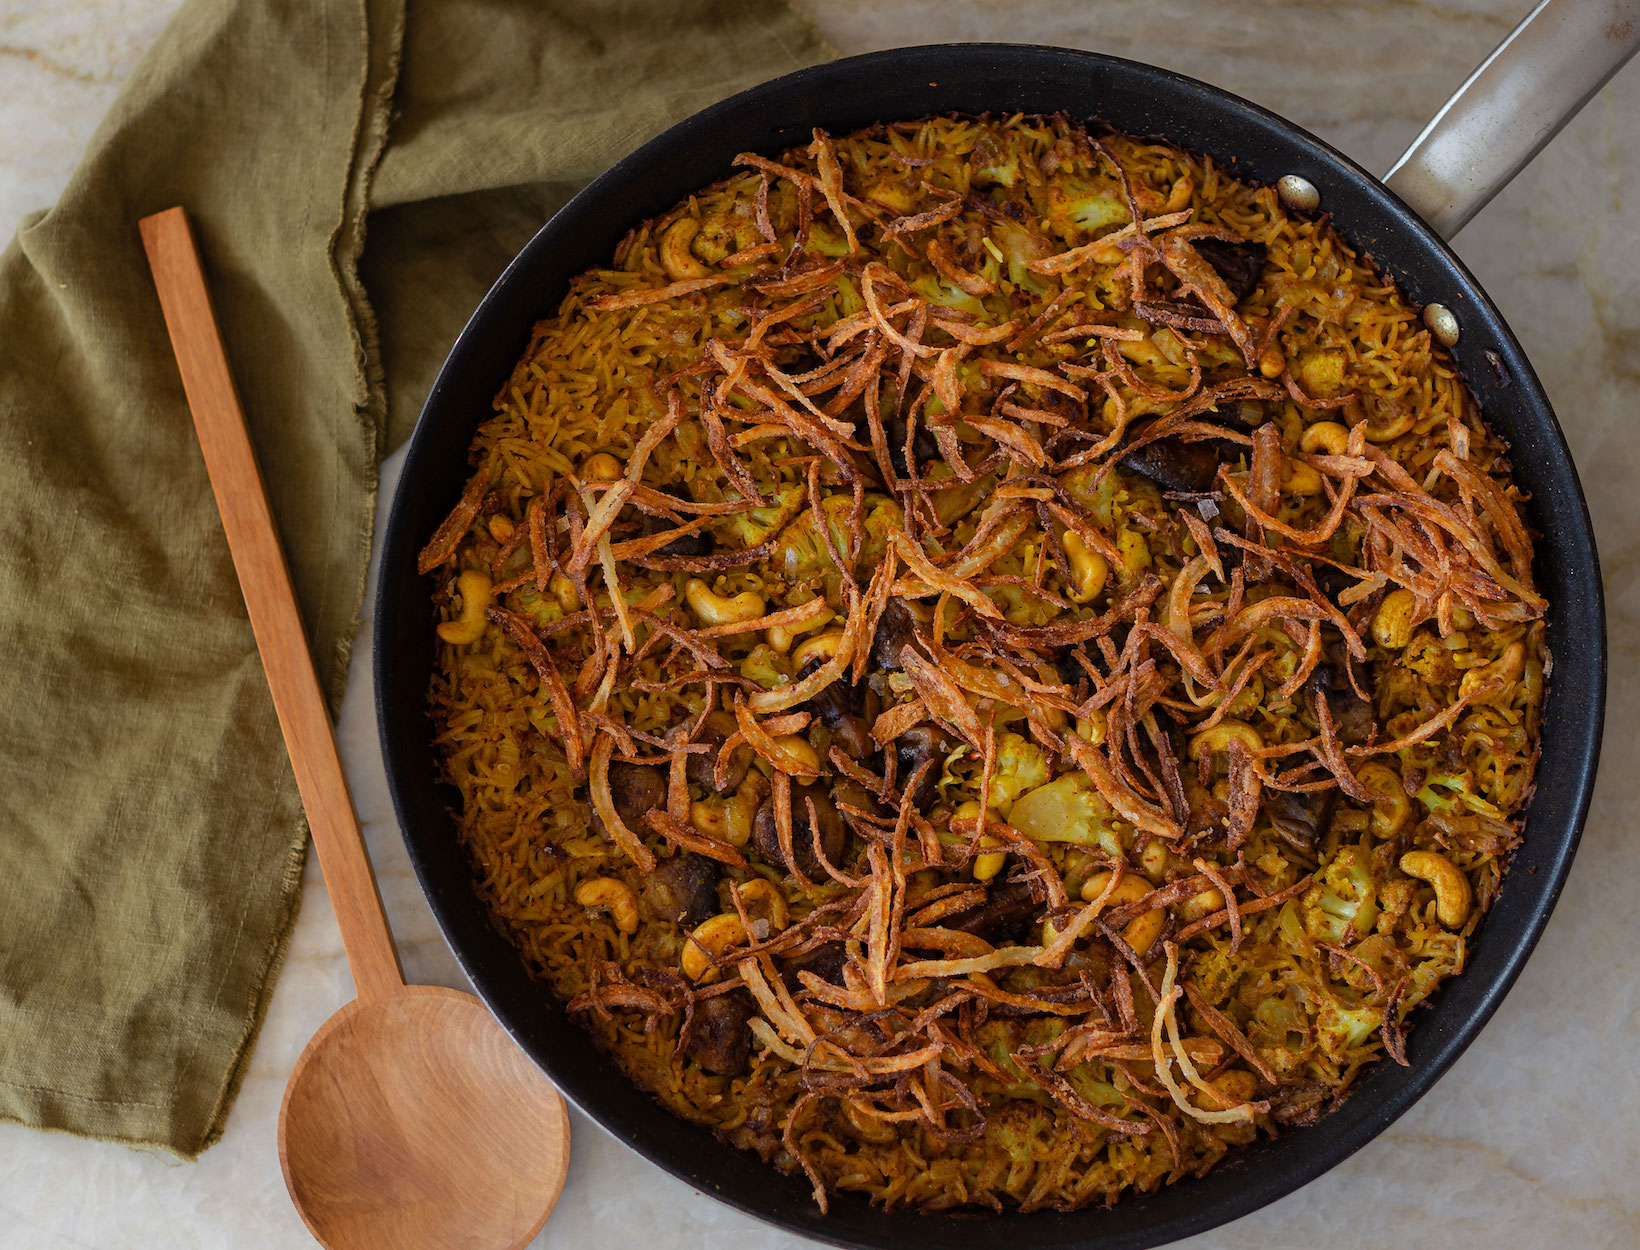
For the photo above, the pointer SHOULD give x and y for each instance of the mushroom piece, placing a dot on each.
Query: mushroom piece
(1003, 916)
(1068, 667)
(1301, 818)
(834, 708)
(1297, 1103)
(826, 962)
(683, 888)
(636, 789)
(700, 543)
(719, 1039)
(896, 630)
(1352, 715)
(916, 746)
(1174, 464)
(846, 792)
(702, 765)
(1332, 581)
(1240, 264)
(833, 832)
(923, 446)
(1244, 417)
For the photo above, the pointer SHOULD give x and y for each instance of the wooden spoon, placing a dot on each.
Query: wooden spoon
(411, 1119)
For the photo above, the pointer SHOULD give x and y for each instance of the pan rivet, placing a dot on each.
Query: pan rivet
(1442, 324)
(1296, 192)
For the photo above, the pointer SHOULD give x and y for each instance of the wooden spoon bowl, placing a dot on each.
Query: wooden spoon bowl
(414, 1120)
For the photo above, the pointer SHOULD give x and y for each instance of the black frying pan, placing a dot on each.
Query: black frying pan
(1251, 143)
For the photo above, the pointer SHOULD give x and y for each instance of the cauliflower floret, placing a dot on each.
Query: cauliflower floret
(1342, 902)
(1067, 809)
(1321, 372)
(756, 524)
(992, 165)
(1077, 208)
(767, 667)
(1215, 974)
(1280, 1031)
(800, 550)
(1019, 247)
(1020, 766)
(936, 290)
(1431, 659)
(1340, 1026)
(1454, 793)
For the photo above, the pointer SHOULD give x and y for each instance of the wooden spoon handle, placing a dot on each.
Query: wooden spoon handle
(264, 580)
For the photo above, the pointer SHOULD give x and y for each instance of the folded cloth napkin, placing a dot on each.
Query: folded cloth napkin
(359, 171)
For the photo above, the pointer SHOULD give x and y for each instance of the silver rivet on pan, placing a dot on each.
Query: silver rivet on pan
(1442, 324)
(1296, 192)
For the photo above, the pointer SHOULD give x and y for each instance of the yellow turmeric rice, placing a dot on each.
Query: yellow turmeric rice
(988, 664)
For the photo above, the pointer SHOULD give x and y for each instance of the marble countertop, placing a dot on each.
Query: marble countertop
(1521, 1145)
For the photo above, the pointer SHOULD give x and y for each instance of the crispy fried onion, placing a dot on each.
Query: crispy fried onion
(603, 802)
(454, 527)
(1166, 1018)
(609, 988)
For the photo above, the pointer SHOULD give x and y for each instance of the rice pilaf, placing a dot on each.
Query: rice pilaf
(987, 664)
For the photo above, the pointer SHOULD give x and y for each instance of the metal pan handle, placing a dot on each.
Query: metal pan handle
(1532, 84)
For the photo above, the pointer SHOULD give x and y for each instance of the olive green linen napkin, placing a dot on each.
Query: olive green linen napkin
(359, 172)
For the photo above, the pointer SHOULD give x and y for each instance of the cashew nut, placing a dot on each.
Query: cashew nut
(1092, 728)
(1103, 253)
(1179, 197)
(822, 646)
(1392, 623)
(1298, 478)
(1154, 860)
(989, 864)
(600, 466)
(710, 940)
(985, 866)
(714, 609)
(1272, 364)
(1135, 552)
(1452, 893)
(801, 753)
(1327, 436)
(563, 590)
(1089, 569)
(711, 817)
(1390, 430)
(1391, 809)
(1506, 668)
(1216, 741)
(781, 637)
(1143, 930)
(762, 890)
(501, 528)
(1199, 905)
(729, 820)
(475, 597)
(676, 258)
(1232, 1088)
(614, 896)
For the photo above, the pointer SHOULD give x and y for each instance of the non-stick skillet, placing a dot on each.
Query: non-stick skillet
(1502, 116)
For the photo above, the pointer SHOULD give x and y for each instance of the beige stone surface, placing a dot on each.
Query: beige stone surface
(1530, 1141)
